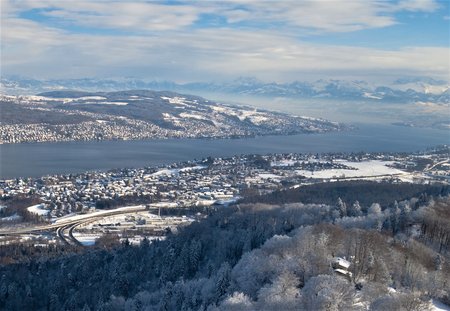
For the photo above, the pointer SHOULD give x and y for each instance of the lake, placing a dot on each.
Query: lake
(37, 159)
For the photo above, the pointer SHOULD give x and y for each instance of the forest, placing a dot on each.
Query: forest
(260, 256)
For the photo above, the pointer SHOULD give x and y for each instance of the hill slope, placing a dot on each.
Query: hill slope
(139, 114)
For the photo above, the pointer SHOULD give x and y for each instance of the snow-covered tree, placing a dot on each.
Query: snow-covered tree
(222, 281)
(236, 302)
(327, 292)
(355, 209)
(282, 294)
(342, 207)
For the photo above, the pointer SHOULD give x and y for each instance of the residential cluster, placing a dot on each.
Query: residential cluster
(41, 119)
(219, 181)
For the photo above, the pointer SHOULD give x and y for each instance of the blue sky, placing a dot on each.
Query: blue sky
(188, 41)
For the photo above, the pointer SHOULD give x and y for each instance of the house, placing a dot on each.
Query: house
(340, 263)
(341, 266)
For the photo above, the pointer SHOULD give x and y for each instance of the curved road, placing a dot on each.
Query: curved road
(69, 239)
(70, 225)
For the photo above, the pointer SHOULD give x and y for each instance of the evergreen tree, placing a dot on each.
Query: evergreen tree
(222, 281)
(342, 207)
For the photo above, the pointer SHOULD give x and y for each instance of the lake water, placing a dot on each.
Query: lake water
(37, 159)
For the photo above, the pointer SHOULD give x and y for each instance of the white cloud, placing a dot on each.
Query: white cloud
(140, 15)
(127, 15)
(163, 45)
(326, 16)
(418, 5)
(214, 53)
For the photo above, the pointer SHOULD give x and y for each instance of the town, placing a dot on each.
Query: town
(195, 186)
(137, 115)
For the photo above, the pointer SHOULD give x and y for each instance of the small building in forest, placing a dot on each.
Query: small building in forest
(341, 266)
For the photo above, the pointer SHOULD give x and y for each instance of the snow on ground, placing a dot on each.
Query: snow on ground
(436, 305)
(254, 116)
(258, 119)
(193, 116)
(38, 209)
(42, 98)
(138, 239)
(134, 97)
(168, 172)
(175, 100)
(365, 168)
(244, 114)
(205, 202)
(284, 163)
(11, 218)
(192, 168)
(309, 118)
(221, 109)
(171, 118)
(2, 207)
(86, 239)
(106, 103)
(392, 290)
(64, 99)
(174, 171)
(91, 98)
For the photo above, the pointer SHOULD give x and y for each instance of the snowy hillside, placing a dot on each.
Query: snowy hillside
(139, 114)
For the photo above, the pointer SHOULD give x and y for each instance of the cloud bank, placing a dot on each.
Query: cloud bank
(216, 40)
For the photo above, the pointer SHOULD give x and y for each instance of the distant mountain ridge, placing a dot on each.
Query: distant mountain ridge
(416, 89)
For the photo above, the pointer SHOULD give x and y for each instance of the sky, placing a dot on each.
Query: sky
(207, 40)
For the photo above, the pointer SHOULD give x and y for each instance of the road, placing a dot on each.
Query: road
(436, 164)
(69, 225)
(68, 239)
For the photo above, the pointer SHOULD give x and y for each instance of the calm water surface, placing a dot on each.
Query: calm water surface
(37, 159)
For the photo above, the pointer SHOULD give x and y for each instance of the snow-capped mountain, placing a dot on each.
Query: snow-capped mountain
(402, 90)
(422, 85)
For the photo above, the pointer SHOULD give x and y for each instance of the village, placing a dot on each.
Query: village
(212, 181)
(97, 118)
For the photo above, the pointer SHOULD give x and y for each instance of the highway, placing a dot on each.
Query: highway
(68, 239)
(436, 164)
(63, 226)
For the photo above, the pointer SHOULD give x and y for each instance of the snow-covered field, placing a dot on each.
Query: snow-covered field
(175, 100)
(175, 171)
(38, 209)
(256, 117)
(63, 99)
(192, 116)
(362, 169)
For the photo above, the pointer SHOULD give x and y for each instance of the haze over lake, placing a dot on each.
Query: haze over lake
(37, 159)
